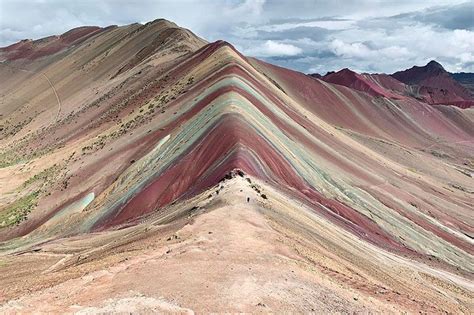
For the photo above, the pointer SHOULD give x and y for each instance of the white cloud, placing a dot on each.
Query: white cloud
(272, 48)
(389, 48)
(464, 38)
(329, 24)
(349, 50)
(362, 51)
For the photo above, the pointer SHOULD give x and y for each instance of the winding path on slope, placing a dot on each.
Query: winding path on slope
(50, 84)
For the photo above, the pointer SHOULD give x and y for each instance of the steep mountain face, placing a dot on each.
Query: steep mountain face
(435, 85)
(155, 162)
(417, 75)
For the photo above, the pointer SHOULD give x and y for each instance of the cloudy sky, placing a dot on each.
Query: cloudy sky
(306, 35)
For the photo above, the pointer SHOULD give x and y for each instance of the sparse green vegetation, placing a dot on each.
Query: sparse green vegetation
(45, 176)
(440, 155)
(8, 158)
(20, 153)
(18, 211)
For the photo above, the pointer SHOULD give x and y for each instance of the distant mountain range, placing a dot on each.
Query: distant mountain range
(430, 83)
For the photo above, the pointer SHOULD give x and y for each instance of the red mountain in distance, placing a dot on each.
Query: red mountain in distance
(416, 74)
(435, 85)
(374, 84)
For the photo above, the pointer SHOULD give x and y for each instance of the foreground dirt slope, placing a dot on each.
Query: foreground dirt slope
(227, 254)
(144, 169)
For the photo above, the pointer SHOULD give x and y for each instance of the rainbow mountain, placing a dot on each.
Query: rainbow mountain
(142, 167)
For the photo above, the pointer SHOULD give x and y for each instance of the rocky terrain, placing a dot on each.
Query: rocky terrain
(144, 169)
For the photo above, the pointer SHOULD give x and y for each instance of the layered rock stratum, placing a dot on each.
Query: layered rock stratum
(143, 169)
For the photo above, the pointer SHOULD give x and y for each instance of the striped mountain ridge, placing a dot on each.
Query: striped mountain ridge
(173, 126)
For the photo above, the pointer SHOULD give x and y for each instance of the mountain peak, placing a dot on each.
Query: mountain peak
(416, 74)
(434, 84)
(434, 65)
(163, 22)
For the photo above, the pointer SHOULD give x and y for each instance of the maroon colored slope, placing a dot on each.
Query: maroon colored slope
(435, 85)
(362, 83)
